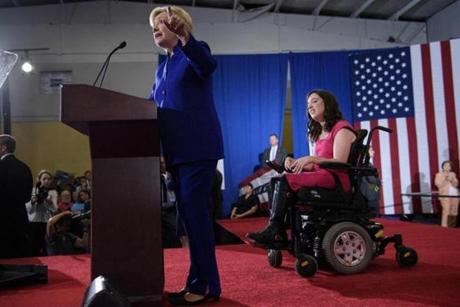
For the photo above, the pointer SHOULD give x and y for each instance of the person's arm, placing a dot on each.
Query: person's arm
(31, 206)
(83, 241)
(341, 149)
(233, 214)
(453, 179)
(198, 53)
(247, 213)
(51, 200)
(440, 180)
(53, 220)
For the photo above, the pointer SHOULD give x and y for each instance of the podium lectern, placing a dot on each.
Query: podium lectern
(126, 211)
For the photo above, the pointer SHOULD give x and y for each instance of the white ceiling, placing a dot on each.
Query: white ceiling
(405, 10)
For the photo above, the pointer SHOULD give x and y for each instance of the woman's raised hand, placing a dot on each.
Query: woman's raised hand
(177, 26)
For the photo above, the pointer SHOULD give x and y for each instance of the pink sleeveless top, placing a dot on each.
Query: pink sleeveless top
(325, 148)
(318, 177)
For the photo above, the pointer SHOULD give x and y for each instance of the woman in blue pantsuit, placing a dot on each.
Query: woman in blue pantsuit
(191, 141)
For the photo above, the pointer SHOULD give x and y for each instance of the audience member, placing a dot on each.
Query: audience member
(81, 183)
(246, 205)
(15, 190)
(275, 152)
(447, 183)
(59, 239)
(65, 201)
(40, 209)
(83, 203)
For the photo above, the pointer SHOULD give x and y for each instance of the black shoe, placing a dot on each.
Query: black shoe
(181, 301)
(177, 294)
(271, 237)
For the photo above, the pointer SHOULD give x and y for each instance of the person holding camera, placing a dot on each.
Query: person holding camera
(60, 240)
(15, 190)
(40, 209)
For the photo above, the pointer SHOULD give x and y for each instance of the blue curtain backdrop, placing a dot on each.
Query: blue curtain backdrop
(249, 93)
(324, 70)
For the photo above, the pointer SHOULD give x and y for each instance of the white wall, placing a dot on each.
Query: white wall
(80, 35)
(445, 25)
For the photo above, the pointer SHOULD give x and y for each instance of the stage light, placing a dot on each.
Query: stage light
(27, 67)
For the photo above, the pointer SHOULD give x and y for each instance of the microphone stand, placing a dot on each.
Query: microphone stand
(106, 64)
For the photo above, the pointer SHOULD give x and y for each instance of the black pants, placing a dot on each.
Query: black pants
(37, 239)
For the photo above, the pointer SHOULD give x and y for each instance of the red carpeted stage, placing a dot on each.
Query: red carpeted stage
(248, 280)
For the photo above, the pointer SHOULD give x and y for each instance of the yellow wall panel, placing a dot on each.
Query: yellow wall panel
(53, 146)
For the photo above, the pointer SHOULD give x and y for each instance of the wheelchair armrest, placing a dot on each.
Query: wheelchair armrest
(334, 165)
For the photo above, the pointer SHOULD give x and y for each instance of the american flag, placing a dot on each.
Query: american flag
(415, 91)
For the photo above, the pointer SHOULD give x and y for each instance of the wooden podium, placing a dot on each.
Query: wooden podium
(126, 211)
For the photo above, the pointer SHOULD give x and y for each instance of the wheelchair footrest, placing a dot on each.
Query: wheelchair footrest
(275, 245)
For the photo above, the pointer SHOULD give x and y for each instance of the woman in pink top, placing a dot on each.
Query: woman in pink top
(332, 138)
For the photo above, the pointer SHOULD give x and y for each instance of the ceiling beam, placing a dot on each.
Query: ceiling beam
(235, 6)
(407, 7)
(278, 6)
(361, 9)
(320, 6)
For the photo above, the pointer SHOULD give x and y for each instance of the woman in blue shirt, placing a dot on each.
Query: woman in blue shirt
(191, 140)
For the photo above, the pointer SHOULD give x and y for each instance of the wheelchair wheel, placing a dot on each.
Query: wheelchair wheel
(348, 248)
(275, 258)
(406, 256)
(306, 265)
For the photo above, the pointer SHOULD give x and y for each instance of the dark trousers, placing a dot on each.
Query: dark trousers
(37, 239)
(14, 243)
(193, 191)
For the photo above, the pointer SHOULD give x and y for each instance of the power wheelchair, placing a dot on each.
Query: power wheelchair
(332, 227)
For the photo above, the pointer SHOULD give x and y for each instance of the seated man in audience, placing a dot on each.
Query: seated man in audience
(65, 201)
(84, 202)
(246, 205)
(275, 153)
(59, 239)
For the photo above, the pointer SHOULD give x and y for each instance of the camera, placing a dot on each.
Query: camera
(82, 216)
(41, 193)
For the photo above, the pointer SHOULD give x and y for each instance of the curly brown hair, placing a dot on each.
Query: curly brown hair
(332, 114)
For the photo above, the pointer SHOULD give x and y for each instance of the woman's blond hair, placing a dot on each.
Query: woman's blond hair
(175, 10)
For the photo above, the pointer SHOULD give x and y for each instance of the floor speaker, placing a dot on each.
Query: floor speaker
(102, 293)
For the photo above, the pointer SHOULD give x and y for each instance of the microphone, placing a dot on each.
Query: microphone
(106, 63)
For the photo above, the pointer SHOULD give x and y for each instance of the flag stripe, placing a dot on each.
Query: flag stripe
(413, 161)
(439, 105)
(429, 108)
(385, 153)
(394, 165)
(455, 51)
(421, 127)
(449, 103)
(404, 171)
